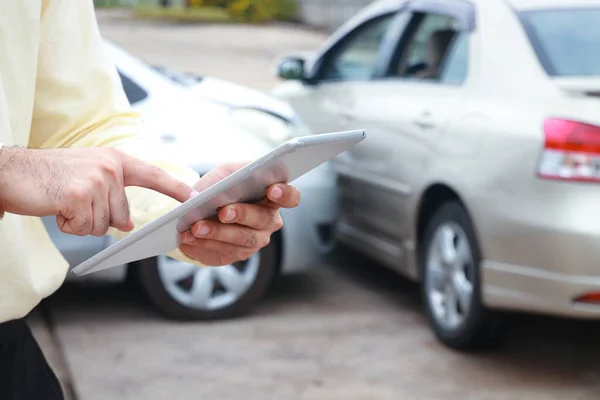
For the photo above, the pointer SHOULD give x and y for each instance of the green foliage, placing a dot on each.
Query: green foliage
(287, 10)
(251, 10)
(183, 15)
(114, 3)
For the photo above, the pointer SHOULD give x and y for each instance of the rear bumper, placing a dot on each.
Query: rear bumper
(541, 249)
(536, 290)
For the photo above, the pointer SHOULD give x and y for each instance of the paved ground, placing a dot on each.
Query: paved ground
(350, 330)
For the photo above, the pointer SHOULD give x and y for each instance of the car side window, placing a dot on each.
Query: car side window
(133, 91)
(432, 50)
(456, 65)
(356, 58)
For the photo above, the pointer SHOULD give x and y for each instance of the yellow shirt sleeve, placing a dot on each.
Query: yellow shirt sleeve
(80, 102)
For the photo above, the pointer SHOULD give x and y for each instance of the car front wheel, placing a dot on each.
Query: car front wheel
(450, 262)
(187, 292)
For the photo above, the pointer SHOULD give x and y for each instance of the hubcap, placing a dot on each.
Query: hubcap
(207, 288)
(449, 279)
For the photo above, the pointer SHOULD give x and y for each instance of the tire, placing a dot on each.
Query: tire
(173, 301)
(461, 325)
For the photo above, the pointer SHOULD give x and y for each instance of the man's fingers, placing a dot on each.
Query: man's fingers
(285, 196)
(217, 175)
(119, 206)
(120, 217)
(138, 173)
(100, 217)
(235, 234)
(78, 221)
(215, 253)
(75, 217)
(254, 216)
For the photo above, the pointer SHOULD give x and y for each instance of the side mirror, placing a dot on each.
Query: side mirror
(291, 68)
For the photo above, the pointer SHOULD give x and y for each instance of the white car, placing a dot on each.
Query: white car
(204, 130)
(479, 175)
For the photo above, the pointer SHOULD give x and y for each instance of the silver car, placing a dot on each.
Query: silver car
(479, 175)
(189, 115)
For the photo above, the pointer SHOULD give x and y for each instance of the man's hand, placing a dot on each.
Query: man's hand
(84, 188)
(241, 229)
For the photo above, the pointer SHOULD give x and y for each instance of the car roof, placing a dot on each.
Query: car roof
(523, 5)
(385, 4)
(379, 7)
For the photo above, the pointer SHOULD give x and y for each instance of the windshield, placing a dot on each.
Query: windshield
(178, 77)
(565, 40)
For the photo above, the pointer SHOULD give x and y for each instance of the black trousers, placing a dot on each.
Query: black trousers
(24, 371)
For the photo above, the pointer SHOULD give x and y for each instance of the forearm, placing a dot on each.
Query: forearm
(12, 159)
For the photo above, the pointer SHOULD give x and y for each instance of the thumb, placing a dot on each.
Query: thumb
(218, 174)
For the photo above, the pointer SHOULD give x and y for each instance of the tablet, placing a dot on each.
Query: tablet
(249, 184)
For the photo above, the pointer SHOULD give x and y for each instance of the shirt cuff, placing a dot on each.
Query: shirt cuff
(1, 210)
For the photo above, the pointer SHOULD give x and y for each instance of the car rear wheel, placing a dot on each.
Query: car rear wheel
(451, 282)
(187, 292)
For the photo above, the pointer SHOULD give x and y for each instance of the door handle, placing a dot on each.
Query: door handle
(424, 121)
(423, 124)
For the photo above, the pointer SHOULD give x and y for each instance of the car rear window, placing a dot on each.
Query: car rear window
(565, 40)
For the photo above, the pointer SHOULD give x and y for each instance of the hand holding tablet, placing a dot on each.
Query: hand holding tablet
(240, 229)
(246, 185)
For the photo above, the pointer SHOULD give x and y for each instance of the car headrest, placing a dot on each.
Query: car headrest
(438, 45)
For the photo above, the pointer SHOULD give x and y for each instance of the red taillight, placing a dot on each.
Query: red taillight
(589, 298)
(571, 151)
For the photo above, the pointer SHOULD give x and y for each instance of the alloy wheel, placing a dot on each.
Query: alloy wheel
(207, 288)
(450, 276)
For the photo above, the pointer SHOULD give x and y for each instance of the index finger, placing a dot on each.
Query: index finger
(138, 173)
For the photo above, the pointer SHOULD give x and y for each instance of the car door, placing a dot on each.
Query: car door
(405, 111)
(326, 105)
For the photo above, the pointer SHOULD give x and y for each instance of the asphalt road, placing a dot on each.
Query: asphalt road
(349, 330)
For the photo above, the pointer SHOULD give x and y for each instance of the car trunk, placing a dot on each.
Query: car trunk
(580, 86)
